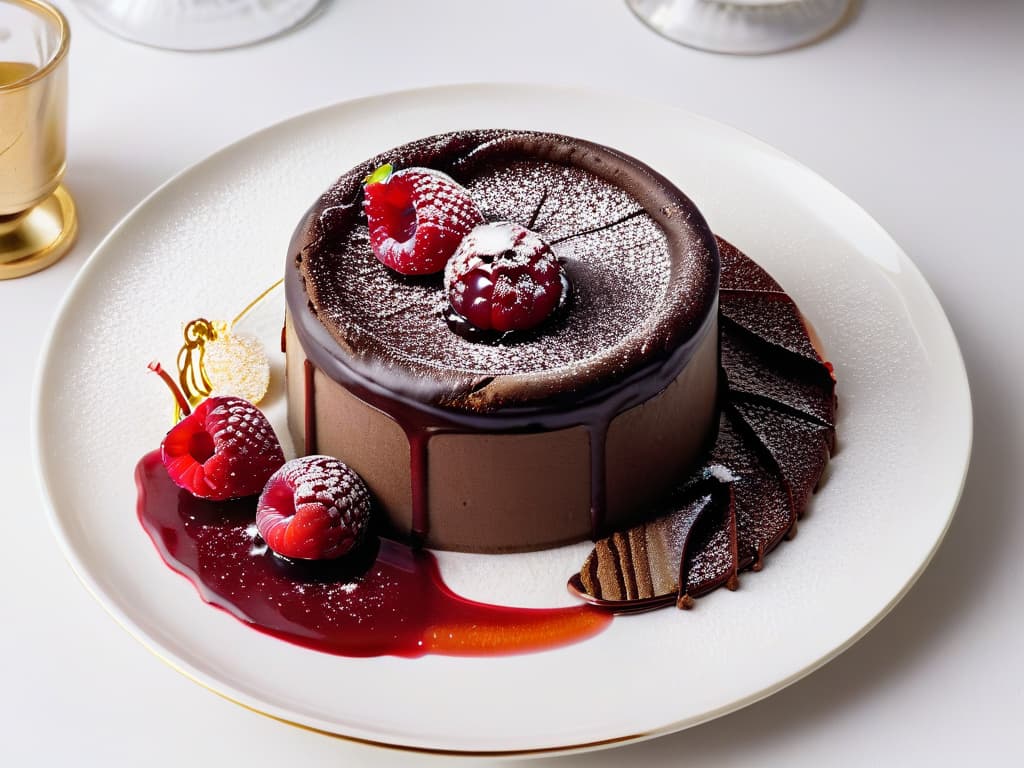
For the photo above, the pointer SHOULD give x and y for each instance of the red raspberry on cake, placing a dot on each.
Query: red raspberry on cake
(504, 277)
(224, 449)
(313, 508)
(417, 217)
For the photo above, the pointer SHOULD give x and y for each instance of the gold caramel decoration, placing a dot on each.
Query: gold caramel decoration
(215, 360)
(236, 364)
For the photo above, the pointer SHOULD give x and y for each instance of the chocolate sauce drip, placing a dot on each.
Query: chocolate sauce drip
(419, 476)
(597, 432)
(309, 413)
(421, 423)
(774, 440)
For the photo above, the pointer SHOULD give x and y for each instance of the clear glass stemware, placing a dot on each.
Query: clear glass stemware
(742, 26)
(197, 25)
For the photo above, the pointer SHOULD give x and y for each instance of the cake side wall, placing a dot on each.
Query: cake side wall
(514, 492)
(366, 439)
(509, 493)
(655, 445)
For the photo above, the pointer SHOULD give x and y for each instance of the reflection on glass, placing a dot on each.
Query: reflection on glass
(742, 26)
(197, 25)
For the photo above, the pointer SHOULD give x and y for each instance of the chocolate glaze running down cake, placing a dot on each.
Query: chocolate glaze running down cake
(776, 433)
(571, 432)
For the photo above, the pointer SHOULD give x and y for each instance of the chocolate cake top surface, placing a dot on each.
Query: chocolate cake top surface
(642, 263)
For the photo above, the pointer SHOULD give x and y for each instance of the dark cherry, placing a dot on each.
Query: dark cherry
(464, 328)
(504, 277)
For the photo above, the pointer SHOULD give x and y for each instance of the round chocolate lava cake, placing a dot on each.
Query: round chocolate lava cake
(576, 429)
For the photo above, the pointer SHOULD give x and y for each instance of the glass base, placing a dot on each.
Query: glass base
(37, 238)
(742, 26)
(197, 25)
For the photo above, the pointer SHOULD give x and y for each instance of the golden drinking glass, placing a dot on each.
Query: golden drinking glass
(37, 216)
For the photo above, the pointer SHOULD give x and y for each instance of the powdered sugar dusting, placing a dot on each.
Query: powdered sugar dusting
(639, 257)
(625, 271)
(416, 218)
(721, 473)
(503, 277)
(313, 506)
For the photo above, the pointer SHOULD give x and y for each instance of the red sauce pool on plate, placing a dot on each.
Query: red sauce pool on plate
(387, 600)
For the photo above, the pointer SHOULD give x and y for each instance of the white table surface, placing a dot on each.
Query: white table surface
(915, 110)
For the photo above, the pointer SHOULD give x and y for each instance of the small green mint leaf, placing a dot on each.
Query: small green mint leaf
(381, 174)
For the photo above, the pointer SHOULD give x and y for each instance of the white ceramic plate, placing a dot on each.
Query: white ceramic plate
(212, 238)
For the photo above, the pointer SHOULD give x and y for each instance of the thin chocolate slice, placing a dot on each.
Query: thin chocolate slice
(763, 510)
(777, 321)
(711, 558)
(653, 562)
(798, 449)
(753, 374)
(742, 275)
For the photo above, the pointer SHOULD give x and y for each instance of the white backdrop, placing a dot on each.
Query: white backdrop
(914, 110)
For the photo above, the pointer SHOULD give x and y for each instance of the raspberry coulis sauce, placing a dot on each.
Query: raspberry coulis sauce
(388, 599)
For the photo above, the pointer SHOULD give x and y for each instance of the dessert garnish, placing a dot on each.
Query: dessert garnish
(416, 217)
(313, 508)
(236, 364)
(224, 449)
(504, 277)
(216, 359)
(306, 571)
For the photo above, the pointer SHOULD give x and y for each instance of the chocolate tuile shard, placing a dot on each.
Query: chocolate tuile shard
(754, 375)
(713, 556)
(775, 322)
(740, 273)
(798, 449)
(763, 511)
(648, 564)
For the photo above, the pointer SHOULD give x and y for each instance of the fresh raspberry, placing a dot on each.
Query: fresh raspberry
(224, 449)
(503, 277)
(313, 508)
(417, 217)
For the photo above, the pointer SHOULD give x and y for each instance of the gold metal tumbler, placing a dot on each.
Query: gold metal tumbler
(38, 222)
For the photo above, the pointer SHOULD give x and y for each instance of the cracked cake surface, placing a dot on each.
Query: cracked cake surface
(640, 258)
